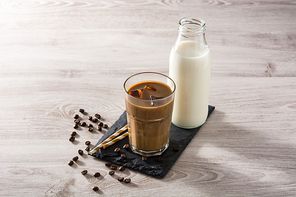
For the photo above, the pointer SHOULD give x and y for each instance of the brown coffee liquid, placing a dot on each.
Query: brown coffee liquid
(150, 90)
(149, 123)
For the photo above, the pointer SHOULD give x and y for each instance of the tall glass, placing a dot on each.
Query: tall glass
(149, 120)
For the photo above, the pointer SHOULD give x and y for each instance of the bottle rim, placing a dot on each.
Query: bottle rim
(192, 26)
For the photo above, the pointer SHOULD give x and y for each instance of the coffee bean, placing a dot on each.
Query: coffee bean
(90, 125)
(127, 180)
(80, 152)
(101, 124)
(81, 110)
(87, 148)
(121, 168)
(176, 148)
(159, 159)
(126, 146)
(108, 164)
(120, 179)
(113, 167)
(105, 126)
(83, 124)
(84, 172)
(90, 129)
(87, 143)
(75, 158)
(97, 174)
(77, 121)
(123, 155)
(75, 126)
(95, 188)
(98, 116)
(70, 163)
(111, 172)
(144, 158)
(76, 116)
(71, 139)
(117, 150)
(73, 133)
(95, 120)
(90, 118)
(99, 128)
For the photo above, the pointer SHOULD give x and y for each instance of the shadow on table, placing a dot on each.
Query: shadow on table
(232, 159)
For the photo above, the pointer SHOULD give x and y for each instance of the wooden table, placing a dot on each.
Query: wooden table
(59, 56)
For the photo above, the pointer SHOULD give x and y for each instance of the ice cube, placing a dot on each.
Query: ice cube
(150, 87)
(154, 98)
(136, 93)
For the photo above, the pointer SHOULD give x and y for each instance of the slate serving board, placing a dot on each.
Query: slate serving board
(178, 137)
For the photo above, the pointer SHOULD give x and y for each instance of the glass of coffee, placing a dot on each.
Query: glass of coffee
(149, 99)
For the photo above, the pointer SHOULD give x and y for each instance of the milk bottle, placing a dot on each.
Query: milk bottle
(189, 67)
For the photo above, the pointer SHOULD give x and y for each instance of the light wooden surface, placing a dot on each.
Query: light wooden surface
(58, 56)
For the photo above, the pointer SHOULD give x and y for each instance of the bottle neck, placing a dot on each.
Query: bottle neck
(192, 29)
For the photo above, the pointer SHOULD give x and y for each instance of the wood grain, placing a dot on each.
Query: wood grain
(58, 56)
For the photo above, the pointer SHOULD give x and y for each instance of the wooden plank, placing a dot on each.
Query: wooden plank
(248, 144)
(106, 51)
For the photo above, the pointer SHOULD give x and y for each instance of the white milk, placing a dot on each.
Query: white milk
(190, 65)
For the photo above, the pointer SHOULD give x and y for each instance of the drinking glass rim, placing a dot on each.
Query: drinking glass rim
(173, 91)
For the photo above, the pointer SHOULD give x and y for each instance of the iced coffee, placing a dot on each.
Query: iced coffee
(149, 105)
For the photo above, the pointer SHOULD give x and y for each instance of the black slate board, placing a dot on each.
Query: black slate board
(178, 136)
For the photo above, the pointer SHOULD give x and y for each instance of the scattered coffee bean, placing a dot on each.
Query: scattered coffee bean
(121, 168)
(117, 150)
(87, 149)
(83, 124)
(73, 133)
(77, 121)
(126, 146)
(75, 126)
(108, 164)
(75, 158)
(144, 158)
(127, 180)
(90, 129)
(113, 167)
(95, 188)
(90, 118)
(80, 152)
(95, 120)
(123, 155)
(99, 128)
(101, 124)
(87, 143)
(98, 116)
(111, 172)
(70, 163)
(97, 174)
(84, 172)
(120, 179)
(105, 126)
(90, 125)
(71, 139)
(159, 159)
(176, 148)
(81, 110)
(76, 116)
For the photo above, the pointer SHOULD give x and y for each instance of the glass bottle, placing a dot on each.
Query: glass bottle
(189, 67)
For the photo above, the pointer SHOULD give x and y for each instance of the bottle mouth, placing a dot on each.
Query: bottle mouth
(191, 26)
